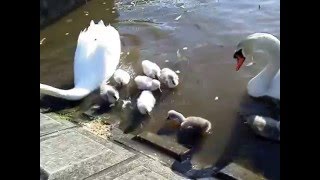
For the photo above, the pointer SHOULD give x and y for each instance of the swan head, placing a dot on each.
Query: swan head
(255, 43)
(175, 116)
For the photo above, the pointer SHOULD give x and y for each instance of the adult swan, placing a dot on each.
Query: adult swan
(266, 47)
(96, 59)
(267, 82)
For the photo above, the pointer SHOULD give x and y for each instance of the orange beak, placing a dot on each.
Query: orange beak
(240, 58)
(240, 61)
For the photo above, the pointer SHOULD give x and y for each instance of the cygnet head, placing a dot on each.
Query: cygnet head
(173, 80)
(156, 85)
(109, 93)
(175, 116)
(257, 42)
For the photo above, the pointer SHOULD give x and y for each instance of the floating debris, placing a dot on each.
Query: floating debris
(113, 12)
(185, 48)
(67, 34)
(114, 7)
(104, 3)
(166, 60)
(107, 9)
(250, 64)
(86, 13)
(177, 71)
(128, 53)
(42, 41)
(216, 98)
(177, 18)
(69, 20)
(178, 53)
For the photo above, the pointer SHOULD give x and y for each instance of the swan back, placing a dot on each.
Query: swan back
(97, 55)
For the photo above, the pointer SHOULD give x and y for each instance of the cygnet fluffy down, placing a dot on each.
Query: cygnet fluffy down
(150, 69)
(169, 78)
(109, 93)
(190, 122)
(121, 77)
(147, 83)
(146, 102)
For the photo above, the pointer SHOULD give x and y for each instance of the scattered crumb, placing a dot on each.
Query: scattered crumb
(67, 34)
(177, 71)
(113, 12)
(121, 53)
(216, 98)
(98, 128)
(177, 18)
(113, 7)
(128, 53)
(166, 60)
(107, 9)
(104, 3)
(185, 48)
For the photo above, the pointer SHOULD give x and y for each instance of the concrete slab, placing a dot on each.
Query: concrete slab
(71, 155)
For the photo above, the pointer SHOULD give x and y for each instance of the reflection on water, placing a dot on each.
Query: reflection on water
(210, 30)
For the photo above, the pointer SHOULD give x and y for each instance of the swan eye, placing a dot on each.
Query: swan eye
(238, 54)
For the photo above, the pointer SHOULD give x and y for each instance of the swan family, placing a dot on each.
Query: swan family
(97, 57)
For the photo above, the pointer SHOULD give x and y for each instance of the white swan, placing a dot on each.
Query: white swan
(150, 69)
(169, 78)
(266, 47)
(200, 123)
(121, 77)
(109, 93)
(147, 83)
(96, 59)
(146, 102)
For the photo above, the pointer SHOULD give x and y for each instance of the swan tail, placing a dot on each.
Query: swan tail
(73, 94)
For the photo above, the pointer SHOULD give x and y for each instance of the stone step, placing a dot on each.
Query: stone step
(173, 149)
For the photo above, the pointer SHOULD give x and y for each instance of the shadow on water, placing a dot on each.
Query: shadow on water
(53, 104)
